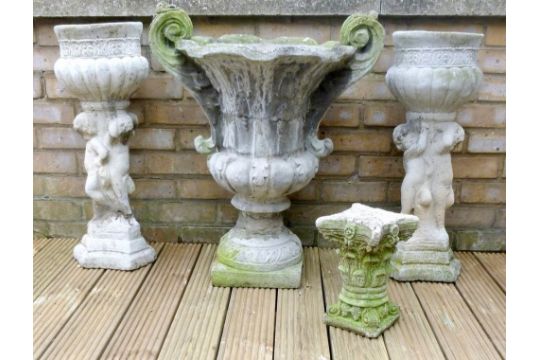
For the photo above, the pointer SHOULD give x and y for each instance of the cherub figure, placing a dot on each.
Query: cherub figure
(106, 160)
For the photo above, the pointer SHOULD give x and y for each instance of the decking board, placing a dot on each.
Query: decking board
(88, 331)
(169, 310)
(458, 332)
(49, 262)
(495, 264)
(411, 337)
(144, 326)
(249, 327)
(345, 344)
(300, 330)
(196, 329)
(485, 298)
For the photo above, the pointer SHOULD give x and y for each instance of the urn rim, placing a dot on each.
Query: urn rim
(99, 31)
(436, 39)
(266, 50)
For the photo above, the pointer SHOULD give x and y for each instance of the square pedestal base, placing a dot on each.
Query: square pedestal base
(360, 327)
(112, 259)
(426, 272)
(226, 276)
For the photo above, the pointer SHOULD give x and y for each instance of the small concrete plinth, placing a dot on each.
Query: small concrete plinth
(115, 260)
(226, 276)
(425, 266)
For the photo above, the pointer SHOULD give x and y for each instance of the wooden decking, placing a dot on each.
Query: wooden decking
(169, 310)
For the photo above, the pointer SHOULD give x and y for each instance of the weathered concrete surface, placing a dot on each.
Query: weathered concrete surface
(444, 7)
(76, 8)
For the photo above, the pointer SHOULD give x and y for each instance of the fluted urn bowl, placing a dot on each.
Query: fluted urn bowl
(433, 71)
(264, 99)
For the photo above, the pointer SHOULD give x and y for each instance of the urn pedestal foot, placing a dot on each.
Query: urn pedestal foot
(367, 321)
(226, 276)
(259, 251)
(114, 244)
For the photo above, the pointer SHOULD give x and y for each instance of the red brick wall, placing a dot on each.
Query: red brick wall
(177, 200)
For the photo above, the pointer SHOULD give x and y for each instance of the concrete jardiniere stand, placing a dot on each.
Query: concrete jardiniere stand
(101, 64)
(366, 238)
(434, 73)
(264, 100)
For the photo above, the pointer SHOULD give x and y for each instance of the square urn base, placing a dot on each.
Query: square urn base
(226, 276)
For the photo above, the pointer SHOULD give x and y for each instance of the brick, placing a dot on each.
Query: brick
(379, 166)
(54, 88)
(175, 163)
(393, 194)
(306, 234)
(153, 139)
(371, 87)
(40, 229)
(276, 27)
(430, 24)
(388, 114)
(60, 138)
(500, 220)
(160, 233)
(45, 57)
(385, 60)
(227, 214)
(57, 210)
(201, 189)
(38, 91)
(487, 141)
(187, 135)
(67, 229)
(159, 86)
(45, 34)
(217, 27)
(174, 113)
(347, 115)
(353, 191)
(136, 162)
(359, 141)
(201, 234)
(467, 167)
(181, 211)
(307, 214)
(53, 112)
(63, 186)
(483, 192)
(337, 165)
(482, 115)
(154, 189)
(307, 193)
(55, 162)
(492, 60)
(496, 34)
(465, 216)
(390, 26)
(493, 88)
(480, 240)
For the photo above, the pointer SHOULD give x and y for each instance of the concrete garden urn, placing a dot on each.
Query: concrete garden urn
(366, 238)
(101, 64)
(264, 100)
(434, 73)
